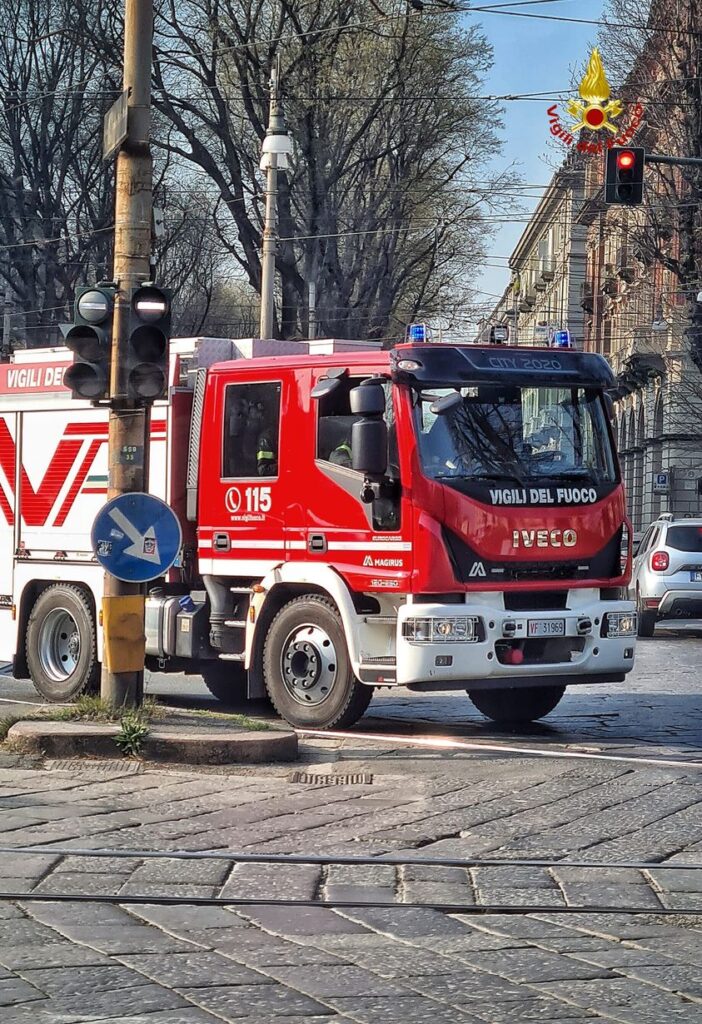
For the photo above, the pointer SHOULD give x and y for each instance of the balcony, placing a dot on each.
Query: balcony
(546, 271)
(587, 299)
(623, 266)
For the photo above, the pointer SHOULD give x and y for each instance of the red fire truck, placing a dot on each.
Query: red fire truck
(436, 517)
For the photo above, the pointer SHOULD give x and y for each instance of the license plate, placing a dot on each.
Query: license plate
(696, 576)
(546, 627)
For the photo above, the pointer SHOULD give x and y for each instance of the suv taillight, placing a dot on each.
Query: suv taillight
(660, 561)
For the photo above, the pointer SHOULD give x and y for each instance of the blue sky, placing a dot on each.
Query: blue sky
(530, 56)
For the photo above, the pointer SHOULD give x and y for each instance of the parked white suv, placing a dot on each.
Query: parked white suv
(666, 581)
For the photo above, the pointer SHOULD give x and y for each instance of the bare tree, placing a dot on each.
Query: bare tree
(55, 191)
(382, 208)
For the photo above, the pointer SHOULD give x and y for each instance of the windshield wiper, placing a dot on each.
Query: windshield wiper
(502, 475)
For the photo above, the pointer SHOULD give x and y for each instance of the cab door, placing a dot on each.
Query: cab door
(241, 520)
(367, 542)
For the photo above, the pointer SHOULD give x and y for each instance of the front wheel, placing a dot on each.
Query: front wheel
(512, 706)
(306, 667)
(226, 680)
(61, 645)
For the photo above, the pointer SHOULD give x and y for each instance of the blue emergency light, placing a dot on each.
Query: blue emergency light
(561, 339)
(417, 332)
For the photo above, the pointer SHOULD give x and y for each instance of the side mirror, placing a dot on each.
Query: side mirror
(442, 405)
(369, 445)
(367, 400)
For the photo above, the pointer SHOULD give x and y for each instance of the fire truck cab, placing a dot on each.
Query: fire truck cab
(435, 517)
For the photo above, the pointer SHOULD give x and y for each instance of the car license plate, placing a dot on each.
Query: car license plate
(696, 576)
(546, 627)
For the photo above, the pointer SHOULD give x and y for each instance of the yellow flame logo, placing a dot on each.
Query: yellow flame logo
(594, 87)
(596, 112)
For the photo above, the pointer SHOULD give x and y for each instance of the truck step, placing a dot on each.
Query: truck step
(387, 661)
(240, 590)
(235, 623)
(380, 620)
(232, 657)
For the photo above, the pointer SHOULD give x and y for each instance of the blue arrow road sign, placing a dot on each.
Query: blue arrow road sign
(136, 537)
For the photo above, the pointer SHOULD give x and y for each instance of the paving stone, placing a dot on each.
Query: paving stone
(465, 986)
(272, 953)
(406, 922)
(520, 897)
(300, 920)
(14, 990)
(677, 879)
(198, 968)
(531, 965)
(438, 892)
(680, 978)
(435, 873)
(184, 1015)
(246, 1000)
(97, 865)
(185, 916)
(77, 981)
(393, 960)
(94, 1006)
(383, 875)
(80, 884)
(340, 980)
(274, 881)
(406, 1010)
(584, 894)
(193, 872)
(128, 940)
(55, 954)
(343, 893)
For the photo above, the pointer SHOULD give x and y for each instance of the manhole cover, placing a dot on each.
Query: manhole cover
(106, 767)
(359, 779)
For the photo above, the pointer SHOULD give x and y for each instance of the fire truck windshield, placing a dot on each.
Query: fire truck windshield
(526, 435)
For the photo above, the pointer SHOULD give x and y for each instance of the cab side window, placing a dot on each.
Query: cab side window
(334, 424)
(251, 430)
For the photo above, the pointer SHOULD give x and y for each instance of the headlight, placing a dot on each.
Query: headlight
(619, 624)
(463, 628)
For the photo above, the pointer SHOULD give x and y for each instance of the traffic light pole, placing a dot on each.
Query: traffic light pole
(123, 604)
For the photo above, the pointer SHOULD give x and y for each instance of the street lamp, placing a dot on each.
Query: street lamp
(276, 148)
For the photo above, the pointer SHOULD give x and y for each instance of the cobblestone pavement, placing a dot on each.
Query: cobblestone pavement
(141, 963)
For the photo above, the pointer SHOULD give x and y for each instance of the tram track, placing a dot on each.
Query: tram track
(282, 860)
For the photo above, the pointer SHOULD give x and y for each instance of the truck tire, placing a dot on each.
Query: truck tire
(307, 670)
(226, 680)
(513, 705)
(61, 644)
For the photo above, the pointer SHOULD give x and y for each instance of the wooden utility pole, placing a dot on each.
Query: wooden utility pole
(123, 604)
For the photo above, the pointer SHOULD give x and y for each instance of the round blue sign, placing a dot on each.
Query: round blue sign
(136, 537)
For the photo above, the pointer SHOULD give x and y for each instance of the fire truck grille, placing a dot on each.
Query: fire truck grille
(603, 565)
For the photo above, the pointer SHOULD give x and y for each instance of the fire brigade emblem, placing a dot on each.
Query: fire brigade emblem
(597, 110)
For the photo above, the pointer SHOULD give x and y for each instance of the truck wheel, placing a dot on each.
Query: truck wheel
(512, 705)
(226, 680)
(306, 667)
(61, 644)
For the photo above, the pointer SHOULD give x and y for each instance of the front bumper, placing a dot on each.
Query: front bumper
(581, 655)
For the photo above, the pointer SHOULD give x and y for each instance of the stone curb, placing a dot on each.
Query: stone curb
(184, 746)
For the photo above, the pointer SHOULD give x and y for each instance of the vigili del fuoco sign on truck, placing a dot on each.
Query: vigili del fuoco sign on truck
(436, 516)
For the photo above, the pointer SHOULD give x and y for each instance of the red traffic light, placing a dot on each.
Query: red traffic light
(625, 159)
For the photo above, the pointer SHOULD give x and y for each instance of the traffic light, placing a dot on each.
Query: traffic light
(624, 177)
(90, 339)
(146, 362)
